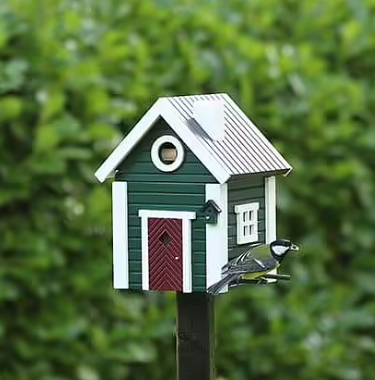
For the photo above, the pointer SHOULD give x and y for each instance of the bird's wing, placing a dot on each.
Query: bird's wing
(253, 265)
(258, 259)
(267, 267)
(239, 253)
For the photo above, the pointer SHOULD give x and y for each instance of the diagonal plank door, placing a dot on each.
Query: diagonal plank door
(165, 254)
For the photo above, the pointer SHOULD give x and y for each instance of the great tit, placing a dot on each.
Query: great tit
(254, 263)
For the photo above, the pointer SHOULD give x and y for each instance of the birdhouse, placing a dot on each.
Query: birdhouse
(210, 211)
(194, 184)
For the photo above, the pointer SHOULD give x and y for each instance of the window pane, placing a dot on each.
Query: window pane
(251, 215)
(246, 231)
(244, 216)
(251, 229)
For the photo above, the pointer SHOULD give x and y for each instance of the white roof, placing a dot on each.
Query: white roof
(242, 150)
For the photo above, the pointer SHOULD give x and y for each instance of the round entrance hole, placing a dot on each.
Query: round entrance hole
(167, 153)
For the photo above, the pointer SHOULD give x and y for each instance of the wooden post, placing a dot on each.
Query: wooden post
(195, 336)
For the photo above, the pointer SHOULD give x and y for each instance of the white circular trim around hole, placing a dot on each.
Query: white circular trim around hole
(155, 150)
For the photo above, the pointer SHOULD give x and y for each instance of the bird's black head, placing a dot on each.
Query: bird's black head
(281, 247)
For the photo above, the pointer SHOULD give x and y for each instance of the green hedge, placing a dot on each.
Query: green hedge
(73, 74)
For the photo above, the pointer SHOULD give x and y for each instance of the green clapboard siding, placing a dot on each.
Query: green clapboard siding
(245, 190)
(149, 188)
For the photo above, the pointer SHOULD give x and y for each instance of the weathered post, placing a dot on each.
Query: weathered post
(195, 336)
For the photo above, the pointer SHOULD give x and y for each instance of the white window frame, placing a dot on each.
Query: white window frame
(251, 222)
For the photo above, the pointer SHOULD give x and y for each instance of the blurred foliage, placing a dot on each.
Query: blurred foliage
(75, 73)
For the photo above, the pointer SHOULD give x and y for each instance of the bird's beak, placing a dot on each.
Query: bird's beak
(294, 248)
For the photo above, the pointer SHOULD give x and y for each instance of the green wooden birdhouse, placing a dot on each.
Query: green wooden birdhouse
(210, 211)
(193, 185)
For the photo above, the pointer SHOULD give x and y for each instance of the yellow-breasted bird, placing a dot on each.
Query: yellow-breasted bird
(254, 263)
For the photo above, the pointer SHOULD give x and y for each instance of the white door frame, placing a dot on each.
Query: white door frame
(186, 218)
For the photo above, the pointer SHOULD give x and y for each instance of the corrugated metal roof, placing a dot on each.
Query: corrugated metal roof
(244, 149)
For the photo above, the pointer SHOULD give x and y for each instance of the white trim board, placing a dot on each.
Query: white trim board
(217, 235)
(161, 108)
(270, 206)
(186, 218)
(166, 214)
(270, 211)
(145, 264)
(120, 235)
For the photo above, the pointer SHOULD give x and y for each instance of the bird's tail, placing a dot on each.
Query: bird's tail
(217, 286)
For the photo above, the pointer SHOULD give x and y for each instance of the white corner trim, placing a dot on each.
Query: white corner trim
(155, 153)
(240, 210)
(217, 235)
(270, 208)
(163, 108)
(270, 212)
(166, 214)
(120, 235)
(187, 280)
(186, 217)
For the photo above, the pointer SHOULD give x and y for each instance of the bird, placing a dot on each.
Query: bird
(254, 263)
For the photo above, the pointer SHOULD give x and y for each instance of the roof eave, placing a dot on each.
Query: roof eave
(269, 173)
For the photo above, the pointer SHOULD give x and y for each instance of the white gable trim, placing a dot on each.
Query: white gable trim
(217, 235)
(120, 235)
(186, 218)
(131, 139)
(162, 108)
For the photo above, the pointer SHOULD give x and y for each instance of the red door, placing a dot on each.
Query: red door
(165, 254)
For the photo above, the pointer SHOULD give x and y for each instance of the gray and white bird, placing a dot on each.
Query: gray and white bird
(254, 263)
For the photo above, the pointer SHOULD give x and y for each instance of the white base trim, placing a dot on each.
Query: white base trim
(120, 235)
(186, 244)
(217, 235)
(270, 210)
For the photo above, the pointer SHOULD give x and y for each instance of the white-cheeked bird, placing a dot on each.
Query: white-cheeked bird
(254, 263)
